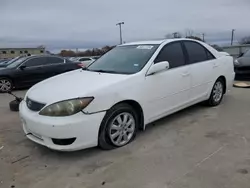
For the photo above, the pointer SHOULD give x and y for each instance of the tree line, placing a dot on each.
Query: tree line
(90, 52)
(100, 51)
(188, 34)
(191, 34)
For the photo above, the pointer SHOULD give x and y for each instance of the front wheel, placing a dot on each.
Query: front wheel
(217, 93)
(119, 127)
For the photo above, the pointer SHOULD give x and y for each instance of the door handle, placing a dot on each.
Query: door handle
(185, 74)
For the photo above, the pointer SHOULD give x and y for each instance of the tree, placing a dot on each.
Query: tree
(194, 37)
(67, 53)
(177, 35)
(189, 32)
(245, 40)
(173, 35)
(90, 52)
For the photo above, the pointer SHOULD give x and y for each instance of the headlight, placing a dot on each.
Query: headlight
(236, 62)
(67, 107)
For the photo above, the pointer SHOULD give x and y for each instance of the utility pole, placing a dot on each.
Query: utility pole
(120, 26)
(232, 37)
(203, 37)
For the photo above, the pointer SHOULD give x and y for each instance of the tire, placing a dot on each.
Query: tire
(14, 106)
(114, 124)
(217, 93)
(6, 85)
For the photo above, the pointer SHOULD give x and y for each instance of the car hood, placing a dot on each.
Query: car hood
(73, 84)
(244, 61)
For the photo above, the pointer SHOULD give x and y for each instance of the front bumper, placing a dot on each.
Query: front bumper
(44, 130)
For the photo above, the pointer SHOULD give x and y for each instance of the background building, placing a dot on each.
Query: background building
(14, 52)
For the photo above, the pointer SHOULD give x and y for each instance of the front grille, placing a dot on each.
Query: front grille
(63, 142)
(33, 105)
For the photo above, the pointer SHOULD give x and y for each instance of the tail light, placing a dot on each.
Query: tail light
(81, 65)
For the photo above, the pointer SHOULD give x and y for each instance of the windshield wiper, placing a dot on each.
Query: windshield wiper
(104, 71)
(85, 68)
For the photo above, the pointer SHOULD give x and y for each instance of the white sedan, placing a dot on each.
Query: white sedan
(85, 61)
(132, 85)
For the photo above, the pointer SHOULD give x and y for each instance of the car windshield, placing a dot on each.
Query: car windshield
(16, 62)
(12, 60)
(124, 59)
(247, 54)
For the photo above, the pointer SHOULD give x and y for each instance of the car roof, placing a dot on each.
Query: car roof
(44, 55)
(157, 41)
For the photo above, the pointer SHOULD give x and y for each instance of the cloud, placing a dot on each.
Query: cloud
(86, 24)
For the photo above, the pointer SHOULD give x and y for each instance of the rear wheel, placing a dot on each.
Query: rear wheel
(119, 127)
(5, 85)
(217, 93)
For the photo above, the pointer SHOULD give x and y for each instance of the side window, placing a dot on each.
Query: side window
(172, 53)
(54, 60)
(196, 52)
(209, 55)
(35, 62)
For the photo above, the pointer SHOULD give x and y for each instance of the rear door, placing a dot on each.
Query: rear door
(54, 66)
(203, 68)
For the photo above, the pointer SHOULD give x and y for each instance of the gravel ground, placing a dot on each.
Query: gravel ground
(197, 147)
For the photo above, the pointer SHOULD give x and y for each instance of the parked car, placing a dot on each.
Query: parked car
(85, 61)
(123, 91)
(242, 64)
(27, 71)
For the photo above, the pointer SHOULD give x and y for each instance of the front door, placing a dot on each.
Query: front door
(33, 71)
(166, 91)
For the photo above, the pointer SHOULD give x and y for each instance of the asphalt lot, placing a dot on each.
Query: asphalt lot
(197, 147)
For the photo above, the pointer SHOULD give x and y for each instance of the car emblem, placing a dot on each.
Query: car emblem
(29, 103)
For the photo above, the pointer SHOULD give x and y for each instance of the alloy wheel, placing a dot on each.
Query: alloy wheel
(122, 129)
(5, 85)
(217, 91)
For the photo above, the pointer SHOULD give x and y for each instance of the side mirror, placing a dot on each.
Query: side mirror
(22, 67)
(158, 67)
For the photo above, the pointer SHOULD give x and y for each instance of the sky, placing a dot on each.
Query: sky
(84, 24)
